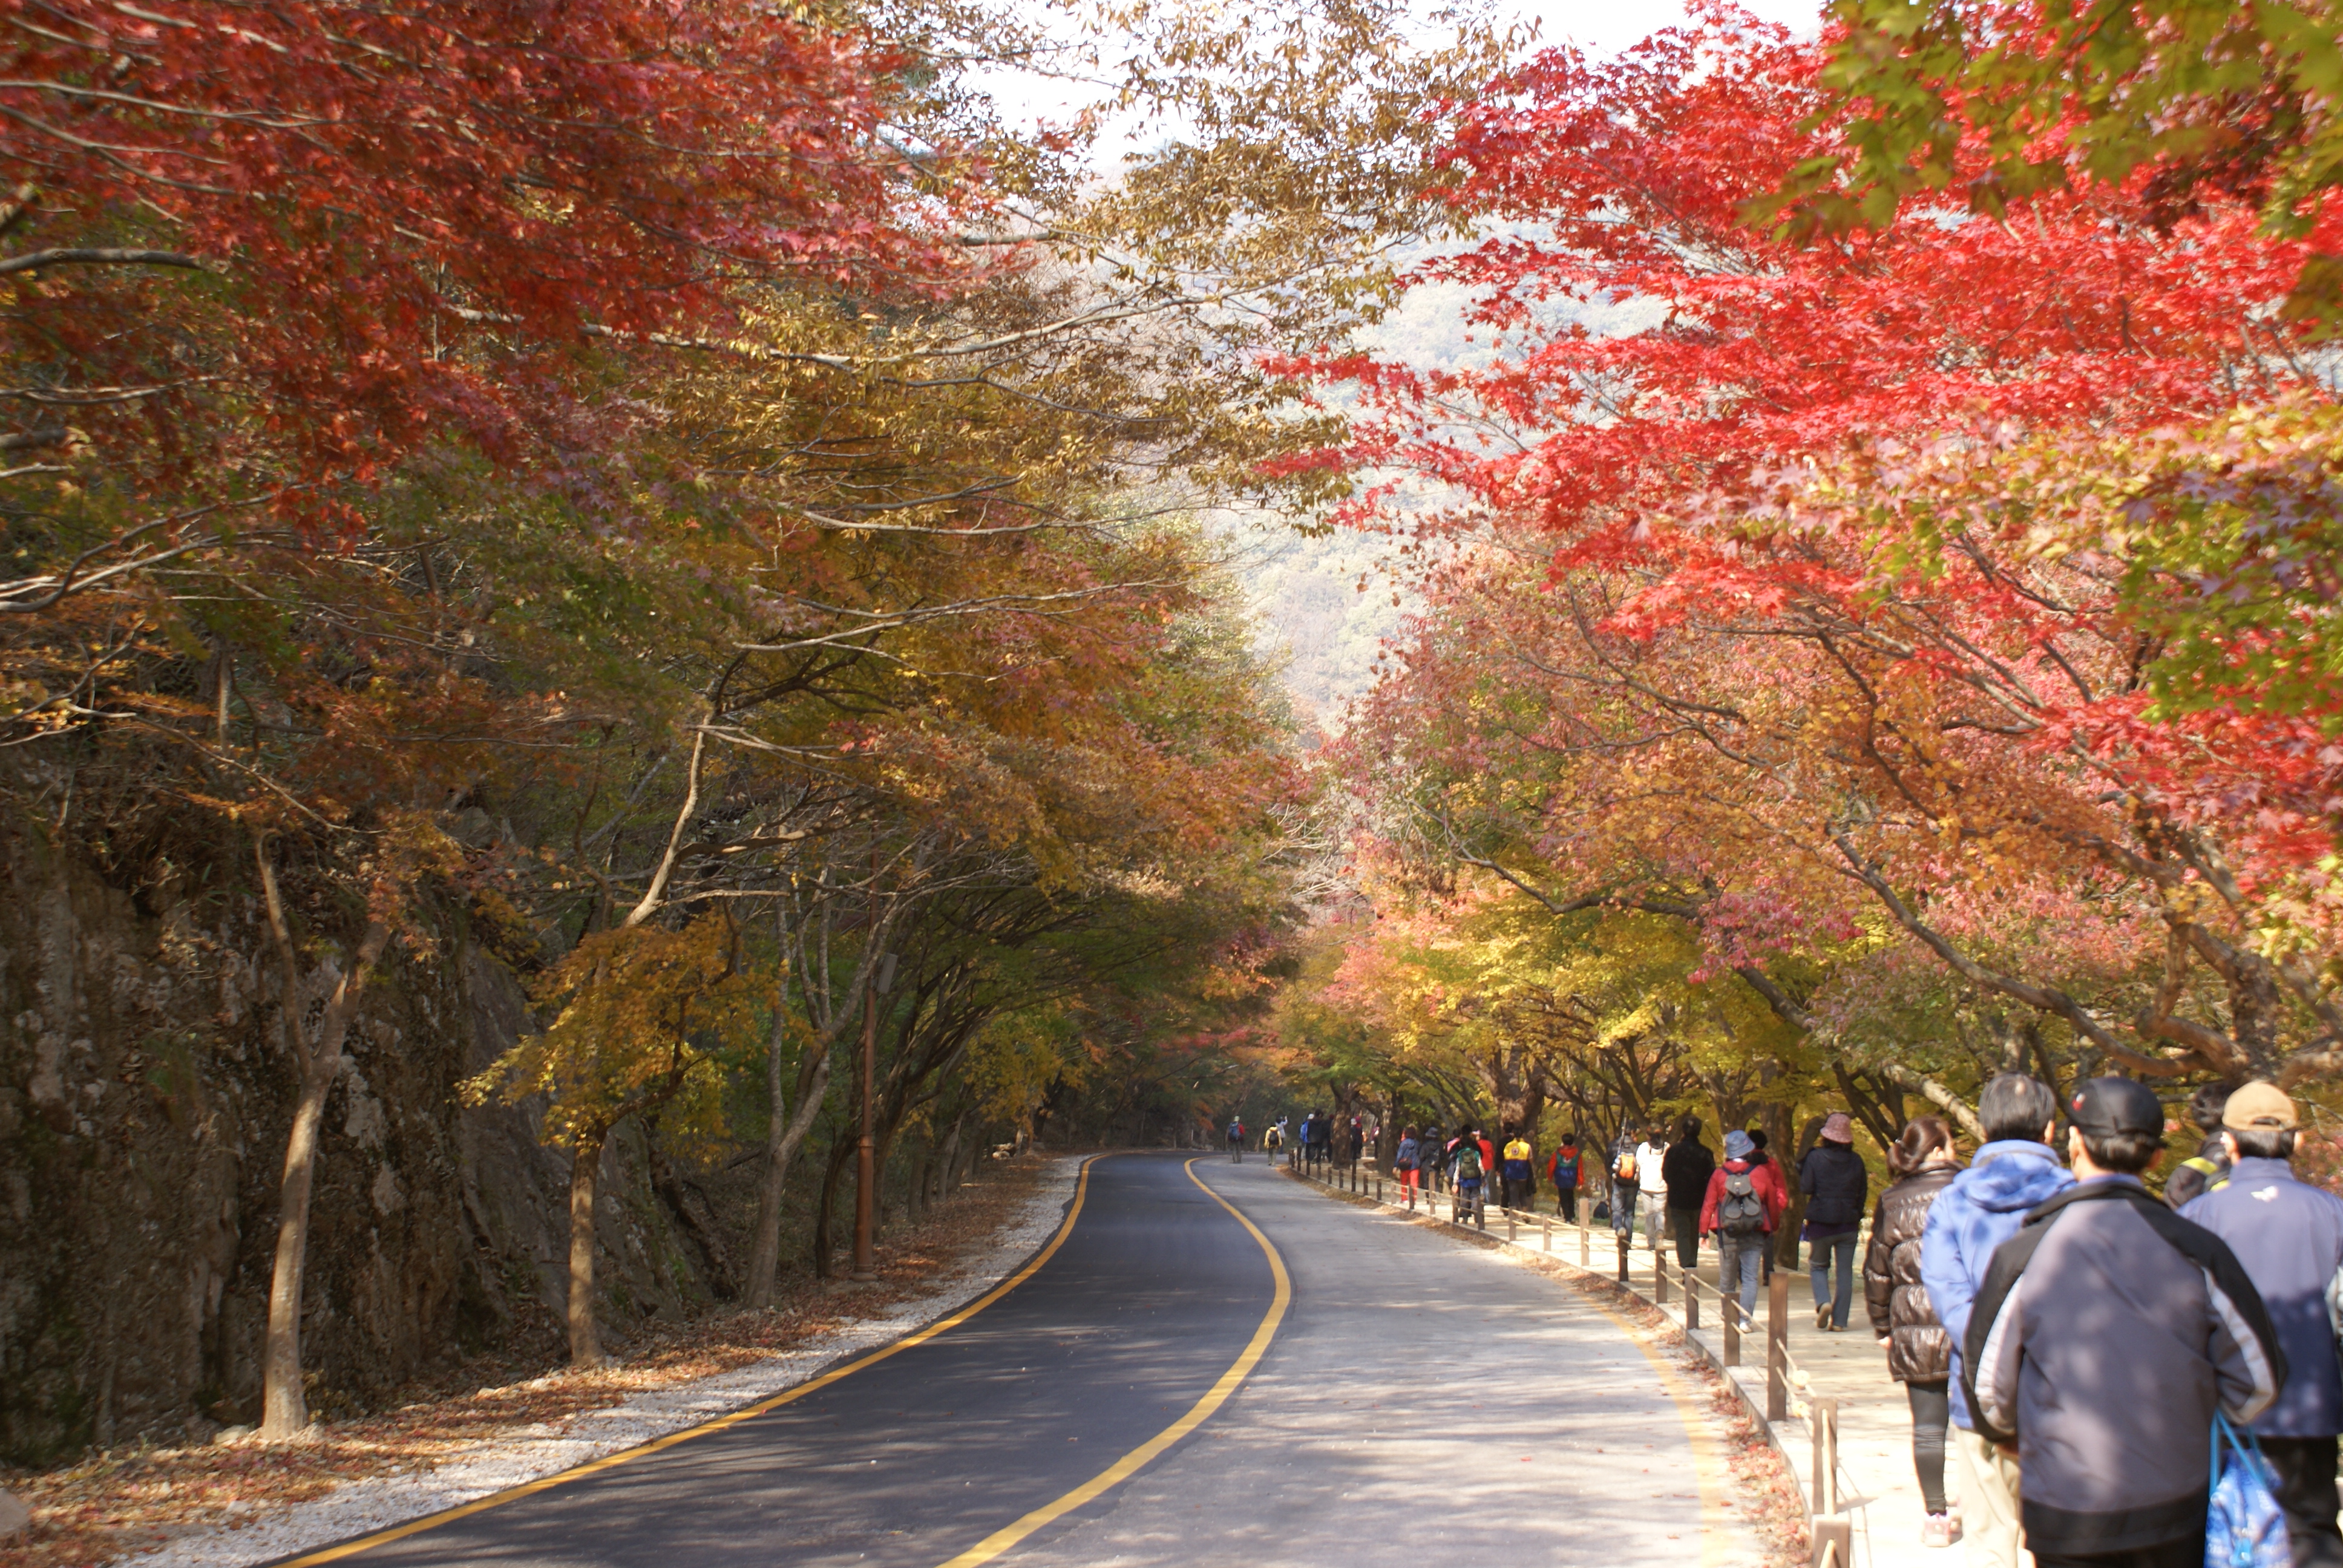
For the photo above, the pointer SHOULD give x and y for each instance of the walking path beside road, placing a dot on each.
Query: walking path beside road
(1876, 1487)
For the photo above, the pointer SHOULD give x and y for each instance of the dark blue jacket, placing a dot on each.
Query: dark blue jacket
(1982, 1209)
(1837, 1186)
(2289, 1236)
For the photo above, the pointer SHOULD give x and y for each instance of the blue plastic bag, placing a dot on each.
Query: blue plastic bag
(2245, 1527)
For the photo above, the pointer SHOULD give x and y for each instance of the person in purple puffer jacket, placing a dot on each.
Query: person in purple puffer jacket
(1983, 1207)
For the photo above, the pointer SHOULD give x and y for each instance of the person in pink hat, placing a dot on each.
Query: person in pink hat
(1836, 1186)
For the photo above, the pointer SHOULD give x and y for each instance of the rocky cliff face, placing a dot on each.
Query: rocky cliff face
(144, 1094)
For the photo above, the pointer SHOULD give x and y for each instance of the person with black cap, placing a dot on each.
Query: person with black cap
(2289, 1236)
(2109, 1332)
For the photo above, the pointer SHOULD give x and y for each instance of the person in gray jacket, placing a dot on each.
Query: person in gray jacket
(2289, 1236)
(2108, 1333)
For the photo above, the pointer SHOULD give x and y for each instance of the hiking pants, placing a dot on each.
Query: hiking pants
(2189, 1552)
(1989, 1527)
(1932, 1410)
(1740, 1259)
(1685, 1223)
(2306, 1490)
(1565, 1204)
(1824, 1250)
(1655, 1217)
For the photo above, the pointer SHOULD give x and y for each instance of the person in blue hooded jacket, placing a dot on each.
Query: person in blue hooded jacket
(1985, 1206)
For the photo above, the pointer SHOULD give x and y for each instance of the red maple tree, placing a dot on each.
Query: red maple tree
(1736, 598)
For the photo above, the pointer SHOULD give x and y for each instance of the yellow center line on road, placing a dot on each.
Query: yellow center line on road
(627, 1456)
(1131, 1464)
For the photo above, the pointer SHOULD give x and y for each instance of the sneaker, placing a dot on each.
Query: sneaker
(1822, 1318)
(1936, 1532)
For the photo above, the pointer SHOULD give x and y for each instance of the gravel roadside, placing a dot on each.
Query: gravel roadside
(231, 1505)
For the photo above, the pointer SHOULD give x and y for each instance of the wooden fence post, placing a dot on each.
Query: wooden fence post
(1626, 1246)
(1824, 1422)
(1728, 1302)
(1692, 1300)
(1659, 1279)
(1777, 1347)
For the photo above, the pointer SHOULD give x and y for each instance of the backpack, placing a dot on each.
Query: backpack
(1624, 1169)
(2243, 1526)
(1468, 1161)
(1741, 1213)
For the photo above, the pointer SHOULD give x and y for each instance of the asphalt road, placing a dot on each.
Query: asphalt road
(1418, 1398)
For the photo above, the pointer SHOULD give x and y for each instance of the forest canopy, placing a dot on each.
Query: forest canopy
(1869, 640)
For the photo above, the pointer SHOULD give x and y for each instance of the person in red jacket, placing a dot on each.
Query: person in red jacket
(1745, 1201)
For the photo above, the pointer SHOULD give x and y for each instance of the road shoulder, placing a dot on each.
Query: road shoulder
(232, 1505)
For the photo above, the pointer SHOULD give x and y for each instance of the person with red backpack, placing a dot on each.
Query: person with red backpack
(1745, 1201)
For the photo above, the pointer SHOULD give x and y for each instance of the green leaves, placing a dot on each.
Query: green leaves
(2001, 101)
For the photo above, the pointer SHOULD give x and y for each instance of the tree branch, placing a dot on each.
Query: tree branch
(89, 256)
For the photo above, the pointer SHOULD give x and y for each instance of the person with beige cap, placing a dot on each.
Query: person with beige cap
(2289, 1236)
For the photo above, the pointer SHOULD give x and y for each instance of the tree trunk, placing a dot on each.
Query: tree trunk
(947, 1182)
(285, 1408)
(783, 1137)
(1794, 1218)
(700, 1224)
(585, 1170)
(841, 1150)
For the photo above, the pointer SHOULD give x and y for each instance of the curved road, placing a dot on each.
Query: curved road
(1149, 1394)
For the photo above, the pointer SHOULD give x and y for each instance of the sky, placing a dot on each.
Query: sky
(1304, 591)
(1600, 26)
(1606, 26)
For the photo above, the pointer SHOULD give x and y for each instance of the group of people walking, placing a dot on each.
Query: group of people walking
(2081, 1345)
(1315, 1138)
(2085, 1344)
(2074, 1343)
